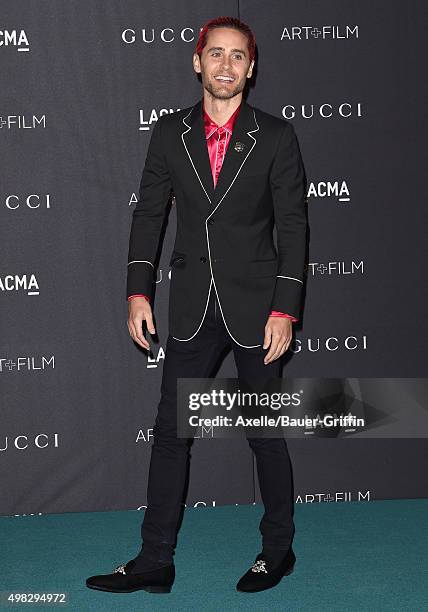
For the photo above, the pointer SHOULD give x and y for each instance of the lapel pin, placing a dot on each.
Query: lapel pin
(239, 146)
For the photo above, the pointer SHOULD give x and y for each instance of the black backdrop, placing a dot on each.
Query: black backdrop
(82, 85)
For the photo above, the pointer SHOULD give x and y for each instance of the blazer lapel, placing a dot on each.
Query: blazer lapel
(242, 142)
(194, 142)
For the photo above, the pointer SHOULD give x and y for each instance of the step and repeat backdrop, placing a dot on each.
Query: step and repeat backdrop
(83, 84)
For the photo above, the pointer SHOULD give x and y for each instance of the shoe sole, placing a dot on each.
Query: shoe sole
(287, 573)
(149, 589)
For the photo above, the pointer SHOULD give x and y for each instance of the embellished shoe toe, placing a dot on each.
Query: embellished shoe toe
(123, 581)
(263, 574)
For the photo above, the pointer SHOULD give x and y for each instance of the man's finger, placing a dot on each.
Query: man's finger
(149, 321)
(280, 351)
(131, 328)
(283, 347)
(287, 344)
(268, 336)
(138, 335)
(276, 338)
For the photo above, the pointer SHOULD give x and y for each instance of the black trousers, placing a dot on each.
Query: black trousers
(169, 464)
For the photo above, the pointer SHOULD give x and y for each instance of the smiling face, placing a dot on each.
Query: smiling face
(224, 64)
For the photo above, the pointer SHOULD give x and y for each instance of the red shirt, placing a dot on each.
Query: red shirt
(218, 139)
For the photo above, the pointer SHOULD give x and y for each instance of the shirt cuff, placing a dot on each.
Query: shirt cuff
(277, 313)
(138, 295)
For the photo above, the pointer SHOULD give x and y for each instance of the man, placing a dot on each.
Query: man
(235, 172)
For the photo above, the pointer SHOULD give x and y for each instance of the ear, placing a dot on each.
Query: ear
(196, 63)
(250, 69)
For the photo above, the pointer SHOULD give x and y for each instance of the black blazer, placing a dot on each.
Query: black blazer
(224, 240)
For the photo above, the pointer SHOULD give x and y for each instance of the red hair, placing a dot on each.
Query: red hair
(227, 22)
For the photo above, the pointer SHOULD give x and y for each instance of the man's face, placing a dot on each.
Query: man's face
(225, 55)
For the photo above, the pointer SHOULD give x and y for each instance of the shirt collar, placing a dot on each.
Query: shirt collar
(211, 126)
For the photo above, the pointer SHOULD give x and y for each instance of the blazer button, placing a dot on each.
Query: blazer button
(202, 259)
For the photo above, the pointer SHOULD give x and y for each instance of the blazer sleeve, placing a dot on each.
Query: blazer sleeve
(147, 218)
(287, 181)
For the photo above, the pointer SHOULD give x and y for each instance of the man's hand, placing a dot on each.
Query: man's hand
(139, 310)
(278, 334)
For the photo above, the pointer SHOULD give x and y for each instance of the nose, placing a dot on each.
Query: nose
(226, 63)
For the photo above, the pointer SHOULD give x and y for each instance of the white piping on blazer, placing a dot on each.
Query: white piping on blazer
(141, 261)
(206, 228)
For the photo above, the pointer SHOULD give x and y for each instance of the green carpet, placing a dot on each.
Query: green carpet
(350, 556)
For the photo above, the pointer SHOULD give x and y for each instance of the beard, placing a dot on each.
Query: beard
(223, 92)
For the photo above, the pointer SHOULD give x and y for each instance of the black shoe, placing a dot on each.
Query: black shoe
(264, 574)
(122, 581)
